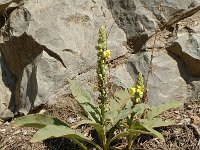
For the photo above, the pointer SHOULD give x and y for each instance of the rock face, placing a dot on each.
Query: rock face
(45, 42)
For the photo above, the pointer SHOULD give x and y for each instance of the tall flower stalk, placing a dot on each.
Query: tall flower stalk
(103, 55)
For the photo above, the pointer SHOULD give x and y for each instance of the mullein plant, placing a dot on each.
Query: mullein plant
(103, 55)
(121, 115)
(137, 90)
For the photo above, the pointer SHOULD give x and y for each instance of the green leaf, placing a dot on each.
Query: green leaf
(118, 103)
(77, 90)
(126, 133)
(139, 109)
(136, 125)
(138, 132)
(120, 135)
(80, 144)
(146, 128)
(90, 110)
(85, 101)
(98, 127)
(156, 122)
(37, 121)
(122, 96)
(83, 122)
(154, 132)
(156, 110)
(52, 131)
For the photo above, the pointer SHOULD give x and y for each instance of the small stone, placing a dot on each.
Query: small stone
(176, 112)
(25, 132)
(6, 123)
(17, 132)
(7, 114)
(189, 107)
(71, 120)
(3, 130)
(42, 111)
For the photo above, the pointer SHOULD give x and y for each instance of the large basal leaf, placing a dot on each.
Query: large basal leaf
(154, 132)
(52, 131)
(77, 90)
(137, 110)
(37, 121)
(90, 110)
(120, 135)
(136, 125)
(85, 101)
(117, 103)
(126, 133)
(98, 127)
(122, 97)
(145, 129)
(156, 110)
(156, 122)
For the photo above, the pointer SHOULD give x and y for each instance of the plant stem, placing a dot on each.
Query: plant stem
(102, 81)
(130, 141)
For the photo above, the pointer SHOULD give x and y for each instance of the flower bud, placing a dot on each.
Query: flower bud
(106, 54)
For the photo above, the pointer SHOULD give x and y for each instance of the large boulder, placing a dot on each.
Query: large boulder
(164, 79)
(187, 47)
(43, 43)
(46, 42)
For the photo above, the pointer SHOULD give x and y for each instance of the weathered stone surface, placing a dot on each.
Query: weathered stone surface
(164, 81)
(195, 90)
(139, 19)
(68, 36)
(187, 46)
(7, 86)
(45, 42)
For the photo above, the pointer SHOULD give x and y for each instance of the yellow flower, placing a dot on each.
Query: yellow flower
(140, 88)
(95, 89)
(132, 90)
(106, 54)
(137, 100)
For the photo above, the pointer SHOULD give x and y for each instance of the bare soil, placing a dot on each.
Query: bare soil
(184, 135)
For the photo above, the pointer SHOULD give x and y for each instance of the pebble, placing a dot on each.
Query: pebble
(42, 111)
(176, 112)
(25, 132)
(3, 130)
(6, 123)
(71, 120)
(16, 132)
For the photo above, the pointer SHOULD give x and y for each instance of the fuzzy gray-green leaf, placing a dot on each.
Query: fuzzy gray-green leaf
(77, 90)
(85, 100)
(146, 128)
(37, 121)
(156, 122)
(98, 127)
(156, 110)
(154, 132)
(52, 131)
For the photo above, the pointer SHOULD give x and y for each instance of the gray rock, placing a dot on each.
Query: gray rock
(7, 114)
(7, 84)
(195, 84)
(68, 36)
(187, 46)
(140, 18)
(164, 81)
(46, 42)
